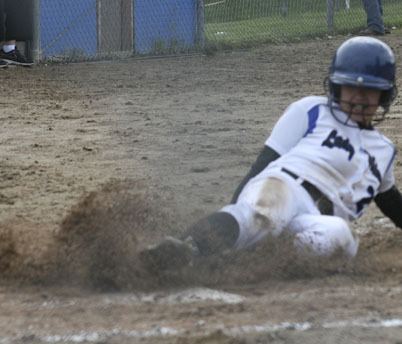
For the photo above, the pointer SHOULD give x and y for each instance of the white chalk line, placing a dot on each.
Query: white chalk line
(191, 295)
(155, 332)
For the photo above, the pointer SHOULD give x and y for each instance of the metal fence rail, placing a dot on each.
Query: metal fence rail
(94, 29)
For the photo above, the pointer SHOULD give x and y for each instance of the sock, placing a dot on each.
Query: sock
(214, 233)
(8, 47)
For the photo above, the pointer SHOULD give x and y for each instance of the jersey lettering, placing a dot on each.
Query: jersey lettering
(366, 200)
(333, 140)
(373, 166)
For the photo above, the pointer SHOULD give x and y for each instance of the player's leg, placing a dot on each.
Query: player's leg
(321, 235)
(212, 234)
(3, 64)
(2, 22)
(265, 207)
(375, 24)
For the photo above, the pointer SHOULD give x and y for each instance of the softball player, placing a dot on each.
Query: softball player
(320, 168)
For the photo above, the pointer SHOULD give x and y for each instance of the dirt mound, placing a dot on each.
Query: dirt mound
(98, 243)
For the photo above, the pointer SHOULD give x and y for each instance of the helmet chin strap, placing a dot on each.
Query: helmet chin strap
(334, 107)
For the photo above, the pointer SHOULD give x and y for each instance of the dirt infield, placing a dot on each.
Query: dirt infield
(101, 159)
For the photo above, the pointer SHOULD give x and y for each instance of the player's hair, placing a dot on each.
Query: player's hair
(363, 62)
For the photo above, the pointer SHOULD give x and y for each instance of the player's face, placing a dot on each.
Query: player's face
(360, 103)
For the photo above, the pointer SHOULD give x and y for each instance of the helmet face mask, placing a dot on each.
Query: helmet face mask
(362, 104)
(362, 63)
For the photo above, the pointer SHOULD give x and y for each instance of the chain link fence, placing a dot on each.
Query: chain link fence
(93, 29)
(248, 22)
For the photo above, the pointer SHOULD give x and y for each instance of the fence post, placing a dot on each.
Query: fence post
(35, 48)
(330, 16)
(200, 34)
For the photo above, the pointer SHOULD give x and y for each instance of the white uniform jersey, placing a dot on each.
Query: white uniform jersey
(348, 164)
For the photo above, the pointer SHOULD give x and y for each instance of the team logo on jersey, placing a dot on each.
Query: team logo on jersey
(366, 200)
(335, 140)
(373, 165)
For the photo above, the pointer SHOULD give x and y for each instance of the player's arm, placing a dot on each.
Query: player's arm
(266, 156)
(390, 203)
(287, 132)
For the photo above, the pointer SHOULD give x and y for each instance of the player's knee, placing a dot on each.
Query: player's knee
(342, 236)
(336, 238)
(266, 222)
(311, 244)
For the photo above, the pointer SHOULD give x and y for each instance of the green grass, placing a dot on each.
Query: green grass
(235, 10)
(217, 11)
(294, 26)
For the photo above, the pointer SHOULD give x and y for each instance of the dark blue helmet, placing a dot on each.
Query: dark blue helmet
(364, 62)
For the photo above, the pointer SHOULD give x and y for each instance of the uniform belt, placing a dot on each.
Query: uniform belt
(324, 205)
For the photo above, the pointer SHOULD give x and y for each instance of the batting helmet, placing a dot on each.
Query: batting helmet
(364, 62)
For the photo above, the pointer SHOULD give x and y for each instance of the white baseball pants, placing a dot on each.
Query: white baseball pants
(275, 203)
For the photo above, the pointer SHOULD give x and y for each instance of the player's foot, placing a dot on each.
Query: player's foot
(14, 57)
(170, 254)
(3, 64)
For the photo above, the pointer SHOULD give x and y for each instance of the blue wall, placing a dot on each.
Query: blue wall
(161, 25)
(68, 27)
